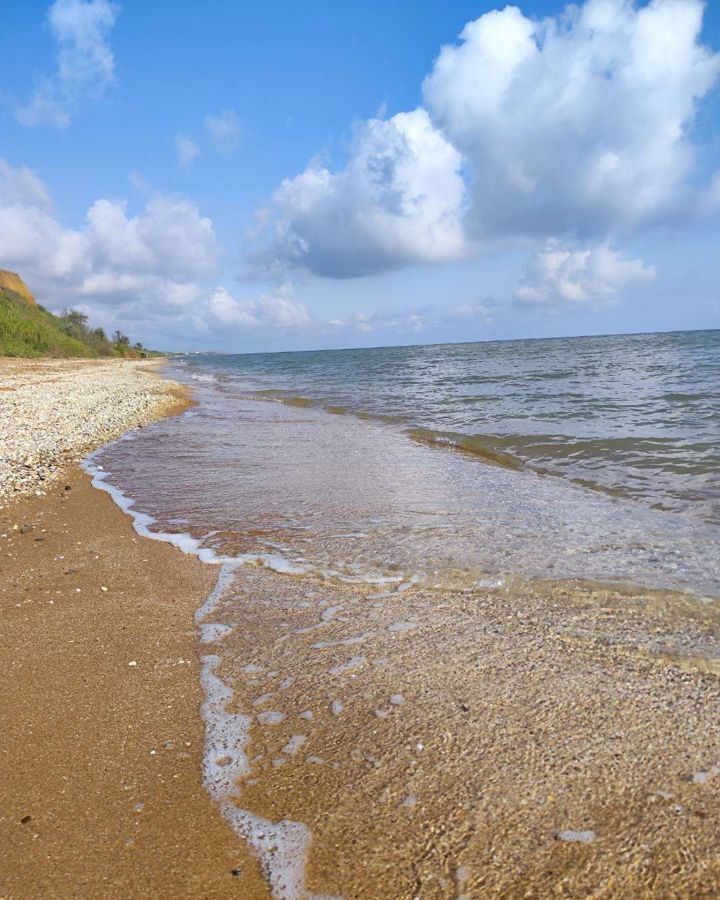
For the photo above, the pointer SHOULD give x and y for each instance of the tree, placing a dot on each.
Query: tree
(121, 338)
(75, 323)
(75, 317)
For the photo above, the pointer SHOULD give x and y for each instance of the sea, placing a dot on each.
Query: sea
(453, 468)
(590, 457)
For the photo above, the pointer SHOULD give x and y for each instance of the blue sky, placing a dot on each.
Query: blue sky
(286, 175)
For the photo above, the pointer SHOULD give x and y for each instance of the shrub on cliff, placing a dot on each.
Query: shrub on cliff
(31, 331)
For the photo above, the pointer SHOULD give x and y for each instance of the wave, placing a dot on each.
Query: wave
(477, 445)
(203, 378)
(302, 402)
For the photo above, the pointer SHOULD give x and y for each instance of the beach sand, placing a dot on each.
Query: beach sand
(101, 739)
(533, 740)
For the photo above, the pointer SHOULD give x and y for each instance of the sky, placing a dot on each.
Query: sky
(300, 174)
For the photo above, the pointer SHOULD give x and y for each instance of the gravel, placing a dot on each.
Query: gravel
(54, 412)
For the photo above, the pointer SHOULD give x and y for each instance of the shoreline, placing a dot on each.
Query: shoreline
(544, 740)
(102, 742)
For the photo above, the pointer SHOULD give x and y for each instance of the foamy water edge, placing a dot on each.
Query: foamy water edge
(282, 848)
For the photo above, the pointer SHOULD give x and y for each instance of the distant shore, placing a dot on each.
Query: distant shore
(102, 739)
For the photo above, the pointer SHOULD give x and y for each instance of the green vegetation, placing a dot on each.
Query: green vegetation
(29, 330)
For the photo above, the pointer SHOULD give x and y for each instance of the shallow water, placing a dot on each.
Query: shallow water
(358, 551)
(360, 499)
(635, 415)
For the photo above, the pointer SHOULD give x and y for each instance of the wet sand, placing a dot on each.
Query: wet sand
(101, 740)
(101, 737)
(526, 741)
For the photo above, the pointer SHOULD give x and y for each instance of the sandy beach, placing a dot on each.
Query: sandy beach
(101, 744)
(518, 739)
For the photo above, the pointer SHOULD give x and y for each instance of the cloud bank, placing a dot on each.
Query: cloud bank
(578, 126)
(85, 61)
(151, 268)
(150, 261)
(275, 309)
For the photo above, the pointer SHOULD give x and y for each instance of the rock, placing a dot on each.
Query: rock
(26, 529)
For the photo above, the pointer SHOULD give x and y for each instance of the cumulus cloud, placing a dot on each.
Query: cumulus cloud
(223, 129)
(398, 201)
(187, 150)
(484, 310)
(85, 62)
(561, 275)
(276, 309)
(149, 263)
(398, 322)
(577, 123)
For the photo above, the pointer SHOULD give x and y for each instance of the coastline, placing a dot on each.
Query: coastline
(536, 738)
(102, 740)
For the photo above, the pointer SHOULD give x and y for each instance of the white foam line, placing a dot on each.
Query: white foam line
(281, 847)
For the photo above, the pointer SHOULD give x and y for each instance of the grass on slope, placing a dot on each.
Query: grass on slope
(32, 331)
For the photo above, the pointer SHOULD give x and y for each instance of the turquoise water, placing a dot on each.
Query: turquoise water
(634, 415)
(450, 466)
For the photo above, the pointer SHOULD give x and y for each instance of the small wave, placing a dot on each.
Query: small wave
(301, 402)
(467, 443)
(203, 378)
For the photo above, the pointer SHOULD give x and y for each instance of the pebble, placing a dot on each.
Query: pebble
(58, 411)
(577, 837)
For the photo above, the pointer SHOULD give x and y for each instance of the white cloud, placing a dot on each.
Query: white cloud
(187, 150)
(563, 275)
(398, 322)
(148, 264)
(398, 201)
(85, 61)
(468, 311)
(223, 129)
(576, 123)
(577, 126)
(272, 310)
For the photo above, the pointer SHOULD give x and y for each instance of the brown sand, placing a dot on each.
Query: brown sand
(100, 760)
